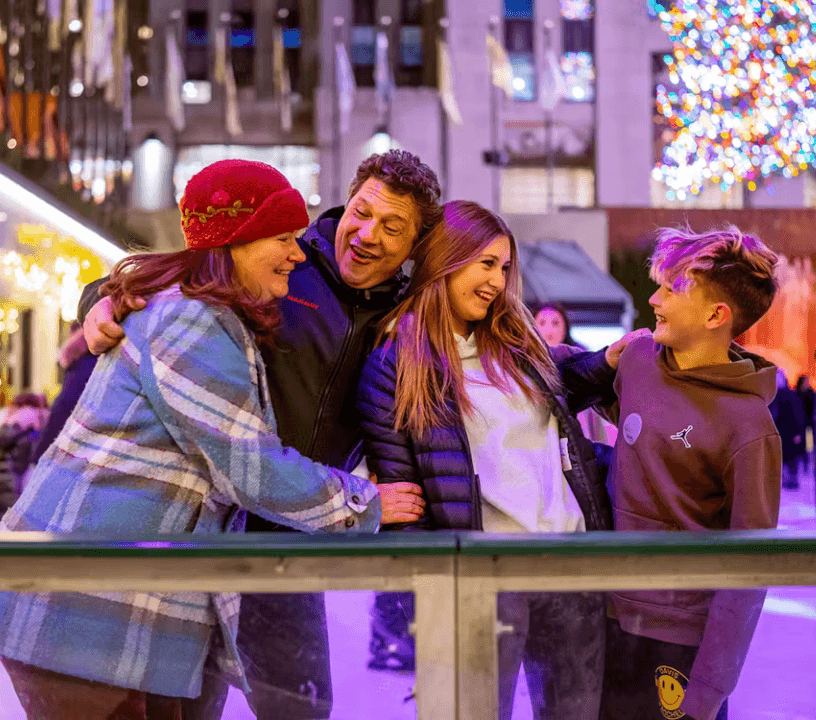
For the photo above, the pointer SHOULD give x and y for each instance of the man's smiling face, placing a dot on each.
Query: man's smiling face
(376, 234)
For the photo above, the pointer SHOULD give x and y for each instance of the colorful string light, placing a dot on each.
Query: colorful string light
(578, 69)
(741, 95)
(577, 9)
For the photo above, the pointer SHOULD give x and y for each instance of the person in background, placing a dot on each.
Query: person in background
(553, 324)
(808, 397)
(175, 433)
(78, 363)
(788, 412)
(22, 425)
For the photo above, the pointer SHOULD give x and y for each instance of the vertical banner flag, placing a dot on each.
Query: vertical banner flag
(286, 101)
(382, 77)
(174, 78)
(114, 90)
(127, 103)
(501, 72)
(232, 117)
(106, 68)
(54, 25)
(71, 14)
(98, 29)
(282, 79)
(553, 85)
(220, 66)
(445, 70)
(346, 86)
(91, 38)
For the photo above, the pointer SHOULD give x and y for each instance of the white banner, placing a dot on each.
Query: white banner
(174, 79)
(501, 72)
(346, 86)
(232, 118)
(220, 66)
(553, 85)
(282, 80)
(382, 77)
(446, 83)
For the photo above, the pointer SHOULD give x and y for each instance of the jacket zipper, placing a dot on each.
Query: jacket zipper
(329, 385)
(564, 420)
(477, 489)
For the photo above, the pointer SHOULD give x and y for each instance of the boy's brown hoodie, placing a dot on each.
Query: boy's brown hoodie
(697, 450)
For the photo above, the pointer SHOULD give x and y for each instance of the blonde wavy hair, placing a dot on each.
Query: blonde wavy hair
(734, 267)
(430, 383)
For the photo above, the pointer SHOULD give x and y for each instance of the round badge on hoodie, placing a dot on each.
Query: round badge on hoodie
(632, 427)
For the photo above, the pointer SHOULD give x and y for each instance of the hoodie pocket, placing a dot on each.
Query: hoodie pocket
(685, 602)
(626, 521)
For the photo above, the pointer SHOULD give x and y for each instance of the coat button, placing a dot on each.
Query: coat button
(355, 499)
(349, 522)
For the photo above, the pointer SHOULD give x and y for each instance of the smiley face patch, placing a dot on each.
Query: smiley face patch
(671, 689)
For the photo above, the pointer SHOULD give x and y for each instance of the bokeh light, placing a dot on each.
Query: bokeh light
(741, 94)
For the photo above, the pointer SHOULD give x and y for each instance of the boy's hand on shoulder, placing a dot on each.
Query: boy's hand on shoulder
(614, 351)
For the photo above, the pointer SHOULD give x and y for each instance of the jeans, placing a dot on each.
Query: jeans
(645, 678)
(559, 637)
(284, 645)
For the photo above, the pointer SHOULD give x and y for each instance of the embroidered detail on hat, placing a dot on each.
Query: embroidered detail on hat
(211, 212)
(219, 197)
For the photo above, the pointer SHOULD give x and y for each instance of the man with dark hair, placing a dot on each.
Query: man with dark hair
(351, 278)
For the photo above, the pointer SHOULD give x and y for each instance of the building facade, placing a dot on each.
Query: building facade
(577, 130)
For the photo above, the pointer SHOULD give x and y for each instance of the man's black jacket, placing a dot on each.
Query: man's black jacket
(327, 330)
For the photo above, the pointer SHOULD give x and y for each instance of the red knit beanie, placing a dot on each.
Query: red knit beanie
(232, 202)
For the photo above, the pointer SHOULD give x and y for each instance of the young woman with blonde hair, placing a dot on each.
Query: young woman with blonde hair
(464, 399)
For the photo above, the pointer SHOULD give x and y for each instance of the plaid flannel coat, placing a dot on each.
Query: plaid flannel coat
(173, 433)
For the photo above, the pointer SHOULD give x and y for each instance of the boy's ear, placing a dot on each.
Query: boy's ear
(719, 314)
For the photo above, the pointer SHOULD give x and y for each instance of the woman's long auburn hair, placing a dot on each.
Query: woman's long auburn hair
(429, 370)
(205, 274)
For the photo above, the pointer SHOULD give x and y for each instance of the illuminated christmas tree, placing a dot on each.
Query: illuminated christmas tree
(741, 94)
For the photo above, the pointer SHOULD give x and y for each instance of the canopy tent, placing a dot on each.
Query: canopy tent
(560, 270)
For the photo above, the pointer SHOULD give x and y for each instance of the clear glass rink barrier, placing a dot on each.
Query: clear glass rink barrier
(456, 579)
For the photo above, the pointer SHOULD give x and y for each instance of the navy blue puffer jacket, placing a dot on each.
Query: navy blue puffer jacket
(441, 462)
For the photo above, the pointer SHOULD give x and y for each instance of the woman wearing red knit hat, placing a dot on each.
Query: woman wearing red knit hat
(175, 433)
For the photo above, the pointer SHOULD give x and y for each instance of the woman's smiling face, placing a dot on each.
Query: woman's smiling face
(263, 266)
(473, 287)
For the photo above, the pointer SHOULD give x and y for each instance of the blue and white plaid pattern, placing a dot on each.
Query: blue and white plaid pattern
(174, 430)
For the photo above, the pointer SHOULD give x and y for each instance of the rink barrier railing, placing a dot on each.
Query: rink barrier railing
(455, 577)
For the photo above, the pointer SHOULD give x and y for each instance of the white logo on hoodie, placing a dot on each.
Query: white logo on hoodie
(682, 435)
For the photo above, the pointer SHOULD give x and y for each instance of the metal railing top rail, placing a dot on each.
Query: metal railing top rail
(640, 543)
(283, 544)
(408, 543)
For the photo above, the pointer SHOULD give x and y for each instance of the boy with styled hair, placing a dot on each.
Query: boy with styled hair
(697, 450)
